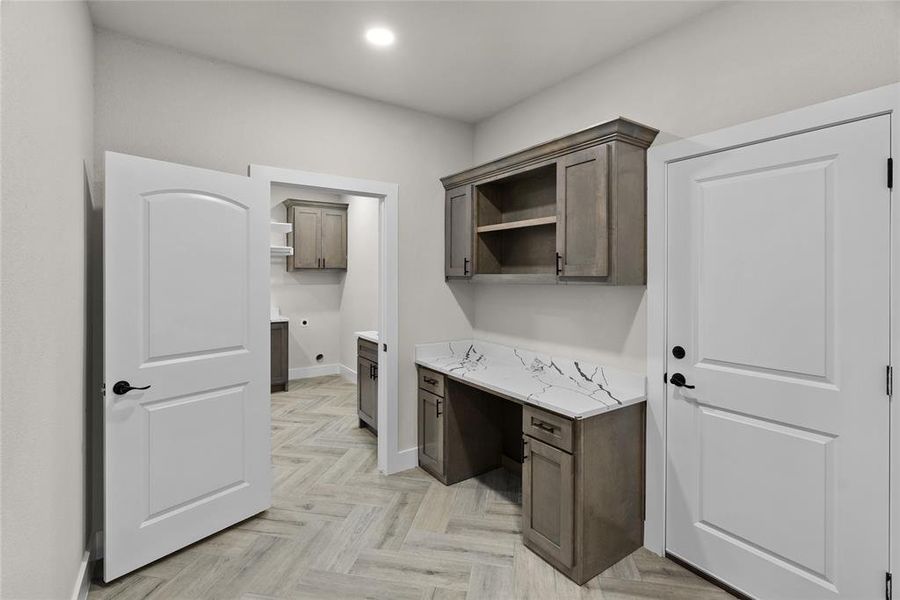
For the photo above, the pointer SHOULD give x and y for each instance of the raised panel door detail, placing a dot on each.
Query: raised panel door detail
(548, 506)
(195, 448)
(431, 431)
(738, 502)
(758, 231)
(582, 227)
(199, 309)
(458, 232)
(307, 230)
(334, 238)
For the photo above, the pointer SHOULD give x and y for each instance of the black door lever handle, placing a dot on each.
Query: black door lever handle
(123, 387)
(678, 380)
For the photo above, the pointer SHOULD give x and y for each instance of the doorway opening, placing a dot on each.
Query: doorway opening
(334, 187)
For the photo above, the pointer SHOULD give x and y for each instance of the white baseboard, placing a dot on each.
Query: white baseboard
(314, 371)
(348, 374)
(83, 580)
(404, 460)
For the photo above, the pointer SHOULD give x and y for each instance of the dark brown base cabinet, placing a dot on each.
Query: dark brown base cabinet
(279, 356)
(367, 384)
(582, 479)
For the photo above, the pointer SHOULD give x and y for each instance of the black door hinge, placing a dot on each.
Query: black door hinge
(889, 380)
(665, 378)
(384, 346)
(890, 173)
(888, 591)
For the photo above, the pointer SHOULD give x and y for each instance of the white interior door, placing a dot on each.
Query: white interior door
(186, 303)
(778, 279)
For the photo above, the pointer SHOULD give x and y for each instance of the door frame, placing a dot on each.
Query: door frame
(391, 459)
(879, 101)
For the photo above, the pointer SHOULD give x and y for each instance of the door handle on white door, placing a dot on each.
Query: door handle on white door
(678, 380)
(123, 387)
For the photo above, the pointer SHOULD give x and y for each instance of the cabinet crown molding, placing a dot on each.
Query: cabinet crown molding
(620, 129)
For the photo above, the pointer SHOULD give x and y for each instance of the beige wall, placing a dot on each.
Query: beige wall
(314, 296)
(46, 115)
(156, 102)
(736, 63)
(359, 298)
(333, 303)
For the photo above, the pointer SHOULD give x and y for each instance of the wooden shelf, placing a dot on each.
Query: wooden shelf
(281, 250)
(518, 224)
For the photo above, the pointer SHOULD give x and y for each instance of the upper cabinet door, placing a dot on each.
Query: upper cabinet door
(582, 226)
(458, 232)
(334, 237)
(307, 237)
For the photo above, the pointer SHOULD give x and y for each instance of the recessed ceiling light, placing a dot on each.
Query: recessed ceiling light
(380, 36)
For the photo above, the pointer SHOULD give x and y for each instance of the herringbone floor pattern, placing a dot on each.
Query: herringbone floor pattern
(339, 530)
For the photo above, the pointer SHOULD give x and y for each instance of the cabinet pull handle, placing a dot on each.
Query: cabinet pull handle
(558, 261)
(375, 372)
(323, 263)
(544, 426)
(437, 409)
(525, 454)
(429, 380)
(465, 266)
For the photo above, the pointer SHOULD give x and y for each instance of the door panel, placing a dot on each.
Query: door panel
(778, 275)
(431, 431)
(334, 238)
(458, 232)
(307, 240)
(548, 504)
(186, 297)
(582, 229)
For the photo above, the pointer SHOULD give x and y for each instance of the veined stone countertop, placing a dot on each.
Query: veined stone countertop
(569, 387)
(372, 336)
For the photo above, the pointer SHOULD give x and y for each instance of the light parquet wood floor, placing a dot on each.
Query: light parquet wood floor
(339, 530)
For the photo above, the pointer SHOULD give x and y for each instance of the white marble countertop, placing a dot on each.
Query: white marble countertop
(569, 387)
(372, 336)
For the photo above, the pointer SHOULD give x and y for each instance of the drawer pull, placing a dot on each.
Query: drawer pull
(437, 409)
(429, 380)
(544, 426)
(525, 453)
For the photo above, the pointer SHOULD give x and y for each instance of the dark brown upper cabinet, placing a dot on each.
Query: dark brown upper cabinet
(458, 232)
(319, 235)
(572, 209)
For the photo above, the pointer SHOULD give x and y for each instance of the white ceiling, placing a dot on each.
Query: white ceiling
(466, 60)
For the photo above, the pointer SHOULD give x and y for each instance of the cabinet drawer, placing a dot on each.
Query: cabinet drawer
(545, 426)
(431, 381)
(367, 349)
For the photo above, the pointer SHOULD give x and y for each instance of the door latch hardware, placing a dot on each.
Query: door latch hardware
(678, 380)
(889, 380)
(123, 387)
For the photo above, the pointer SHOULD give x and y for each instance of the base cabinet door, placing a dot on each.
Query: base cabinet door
(279, 356)
(548, 500)
(367, 391)
(431, 432)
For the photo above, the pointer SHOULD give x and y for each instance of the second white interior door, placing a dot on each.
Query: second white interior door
(779, 290)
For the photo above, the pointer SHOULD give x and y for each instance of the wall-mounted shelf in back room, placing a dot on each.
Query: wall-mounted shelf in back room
(282, 228)
(568, 210)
